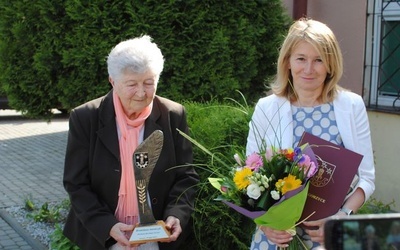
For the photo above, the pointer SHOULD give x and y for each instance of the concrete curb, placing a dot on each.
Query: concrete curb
(35, 244)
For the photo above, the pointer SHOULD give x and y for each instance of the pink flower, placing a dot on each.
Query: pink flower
(312, 170)
(308, 166)
(254, 161)
(305, 161)
(269, 153)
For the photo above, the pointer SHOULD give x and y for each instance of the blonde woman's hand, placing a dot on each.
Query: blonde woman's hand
(317, 232)
(279, 237)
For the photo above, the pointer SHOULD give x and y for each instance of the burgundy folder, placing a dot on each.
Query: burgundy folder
(330, 185)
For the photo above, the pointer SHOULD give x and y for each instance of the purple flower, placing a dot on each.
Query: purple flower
(298, 156)
(304, 161)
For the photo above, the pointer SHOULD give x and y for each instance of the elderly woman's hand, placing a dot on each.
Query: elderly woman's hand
(279, 237)
(173, 224)
(119, 233)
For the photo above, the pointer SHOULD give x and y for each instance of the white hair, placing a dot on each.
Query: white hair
(137, 55)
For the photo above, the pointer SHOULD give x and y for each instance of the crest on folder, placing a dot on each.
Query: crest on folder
(324, 174)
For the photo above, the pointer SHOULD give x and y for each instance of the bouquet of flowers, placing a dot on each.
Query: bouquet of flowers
(265, 179)
(269, 186)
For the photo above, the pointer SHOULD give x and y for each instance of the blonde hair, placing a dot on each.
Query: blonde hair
(324, 41)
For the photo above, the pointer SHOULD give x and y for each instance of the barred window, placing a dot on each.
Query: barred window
(382, 56)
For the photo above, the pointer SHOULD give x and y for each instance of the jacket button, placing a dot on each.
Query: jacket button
(154, 201)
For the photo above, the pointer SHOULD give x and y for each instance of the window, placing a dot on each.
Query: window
(382, 56)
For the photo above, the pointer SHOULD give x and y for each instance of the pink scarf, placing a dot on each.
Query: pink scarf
(127, 209)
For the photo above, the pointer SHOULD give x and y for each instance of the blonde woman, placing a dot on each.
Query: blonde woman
(306, 97)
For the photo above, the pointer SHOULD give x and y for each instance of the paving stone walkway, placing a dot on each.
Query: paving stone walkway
(31, 167)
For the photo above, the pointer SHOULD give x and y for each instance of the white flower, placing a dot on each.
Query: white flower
(265, 181)
(238, 160)
(239, 168)
(253, 191)
(275, 195)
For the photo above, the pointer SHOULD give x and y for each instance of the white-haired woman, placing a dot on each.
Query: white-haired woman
(103, 135)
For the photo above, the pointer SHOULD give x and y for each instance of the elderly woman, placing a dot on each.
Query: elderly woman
(307, 98)
(103, 136)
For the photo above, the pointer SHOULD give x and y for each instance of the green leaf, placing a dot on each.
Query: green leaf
(284, 215)
(216, 182)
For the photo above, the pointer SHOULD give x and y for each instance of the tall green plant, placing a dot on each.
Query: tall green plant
(221, 128)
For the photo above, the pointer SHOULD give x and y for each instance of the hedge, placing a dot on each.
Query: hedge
(222, 129)
(53, 53)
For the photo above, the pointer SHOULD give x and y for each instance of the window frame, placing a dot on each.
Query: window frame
(373, 47)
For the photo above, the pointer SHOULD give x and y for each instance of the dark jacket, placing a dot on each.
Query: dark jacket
(93, 171)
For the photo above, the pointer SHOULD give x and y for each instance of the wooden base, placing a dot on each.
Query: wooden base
(156, 232)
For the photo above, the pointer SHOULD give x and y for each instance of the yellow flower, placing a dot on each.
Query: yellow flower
(288, 183)
(241, 178)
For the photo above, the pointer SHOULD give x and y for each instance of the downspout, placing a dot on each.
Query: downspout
(299, 9)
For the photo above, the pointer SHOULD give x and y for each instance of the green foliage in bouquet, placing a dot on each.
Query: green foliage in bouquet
(214, 124)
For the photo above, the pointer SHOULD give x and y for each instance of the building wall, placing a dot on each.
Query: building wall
(347, 20)
(386, 140)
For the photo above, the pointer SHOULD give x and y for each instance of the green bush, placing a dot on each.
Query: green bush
(222, 129)
(375, 206)
(29, 63)
(59, 242)
(52, 53)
